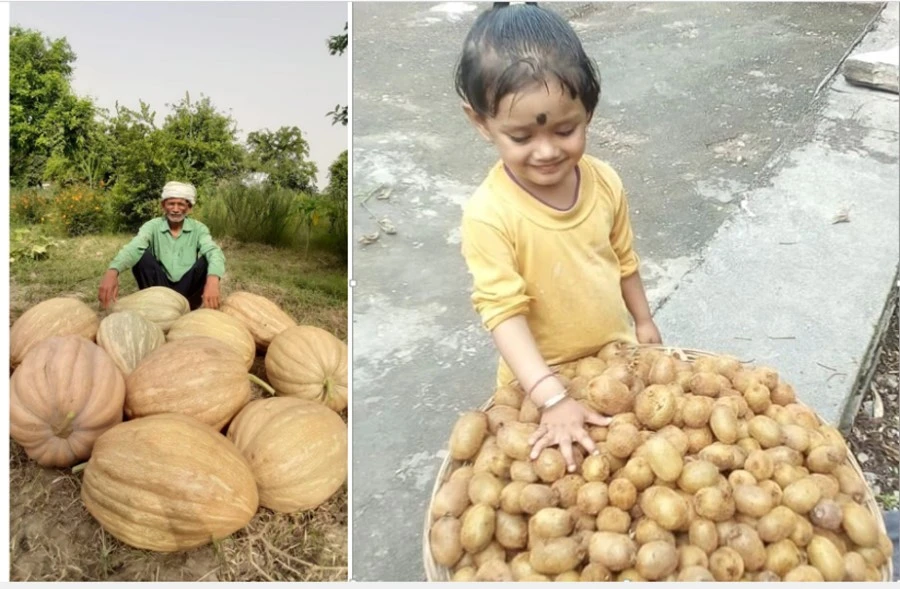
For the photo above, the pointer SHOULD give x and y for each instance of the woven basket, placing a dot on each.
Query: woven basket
(436, 572)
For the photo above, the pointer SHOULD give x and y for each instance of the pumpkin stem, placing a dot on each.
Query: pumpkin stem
(64, 430)
(263, 384)
(326, 389)
(79, 467)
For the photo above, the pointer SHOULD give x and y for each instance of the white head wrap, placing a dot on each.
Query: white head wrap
(180, 190)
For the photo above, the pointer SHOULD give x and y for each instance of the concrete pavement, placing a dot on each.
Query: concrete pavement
(735, 169)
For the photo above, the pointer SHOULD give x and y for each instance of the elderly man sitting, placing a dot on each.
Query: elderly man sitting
(172, 251)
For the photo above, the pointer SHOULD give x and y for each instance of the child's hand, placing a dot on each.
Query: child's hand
(561, 425)
(647, 333)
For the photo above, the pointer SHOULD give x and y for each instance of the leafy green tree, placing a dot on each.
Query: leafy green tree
(196, 143)
(90, 162)
(201, 143)
(337, 45)
(337, 178)
(336, 196)
(141, 156)
(284, 156)
(46, 119)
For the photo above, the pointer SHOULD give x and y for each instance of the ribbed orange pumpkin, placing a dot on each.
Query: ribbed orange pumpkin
(158, 304)
(297, 450)
(261, 316)
(168, 483)
(218, 325)
(127, 337)
(65, 394)
(309, 363)
(197, 376)
(58, 316)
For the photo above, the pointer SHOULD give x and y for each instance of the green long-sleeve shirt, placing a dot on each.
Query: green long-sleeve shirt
(176, 254)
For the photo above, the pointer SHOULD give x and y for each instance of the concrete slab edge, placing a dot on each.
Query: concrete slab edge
(869, 361)
(862, 35)
(775, 162)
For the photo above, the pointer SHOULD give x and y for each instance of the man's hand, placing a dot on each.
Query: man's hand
(647, 332)
(211, 293)
(109, 288)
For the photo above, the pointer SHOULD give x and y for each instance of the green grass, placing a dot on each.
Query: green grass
(311, 289)
(889, 501)
(272, 216)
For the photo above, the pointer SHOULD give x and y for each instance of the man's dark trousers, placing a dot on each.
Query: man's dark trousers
(149, 272)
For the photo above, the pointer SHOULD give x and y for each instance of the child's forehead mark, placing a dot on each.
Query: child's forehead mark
(541, 118)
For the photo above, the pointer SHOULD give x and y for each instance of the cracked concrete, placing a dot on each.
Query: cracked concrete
(735, 167)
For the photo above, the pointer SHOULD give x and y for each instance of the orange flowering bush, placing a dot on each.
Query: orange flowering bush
(80, 210)
(30, 205)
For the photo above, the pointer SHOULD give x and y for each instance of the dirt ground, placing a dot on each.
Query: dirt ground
(54, 538)
(875, 434)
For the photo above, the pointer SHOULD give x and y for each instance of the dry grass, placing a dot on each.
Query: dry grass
(54, 538)
(875, 434)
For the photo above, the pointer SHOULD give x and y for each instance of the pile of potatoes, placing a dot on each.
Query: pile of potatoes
(709, 471)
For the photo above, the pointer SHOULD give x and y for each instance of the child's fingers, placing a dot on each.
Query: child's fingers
(540, 445)
(597, 419)
(565, 446)
(538, 434)
(586, 442)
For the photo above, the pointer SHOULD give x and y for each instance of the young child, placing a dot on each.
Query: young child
(546, 236)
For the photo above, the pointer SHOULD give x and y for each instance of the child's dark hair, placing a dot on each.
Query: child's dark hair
(512, 47)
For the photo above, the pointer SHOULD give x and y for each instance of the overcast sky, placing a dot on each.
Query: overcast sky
(265, 63)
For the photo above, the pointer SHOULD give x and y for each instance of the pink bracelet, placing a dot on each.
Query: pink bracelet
(539, 381)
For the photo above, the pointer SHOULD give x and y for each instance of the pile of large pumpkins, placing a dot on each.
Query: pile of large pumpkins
(157, 399)
(710, 470)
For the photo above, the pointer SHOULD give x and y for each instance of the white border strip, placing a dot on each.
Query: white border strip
(4, 289)
(350, 282)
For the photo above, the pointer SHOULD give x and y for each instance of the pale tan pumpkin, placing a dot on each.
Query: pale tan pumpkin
(158, 304)
(168, 483)
(197, 376)
(309, 363)
(296, 448)
(218, 325)
(66, 392)
(127, 337)
(261, 316)
(57, 316)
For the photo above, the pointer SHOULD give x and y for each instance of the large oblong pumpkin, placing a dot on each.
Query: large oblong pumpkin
(168, 483)
(309, 363)
(66, 392)
(158, 304)
(261, 316)
(218, 325)
(296, 448)
(197, 376)
(57, 316)
(128, 337)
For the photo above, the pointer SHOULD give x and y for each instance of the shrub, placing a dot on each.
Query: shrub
(30, 244)
(30, 206)
(79, 210)
(129, 210)
(253, 214)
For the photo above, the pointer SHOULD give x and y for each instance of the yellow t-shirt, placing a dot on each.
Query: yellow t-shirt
(561, 269)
